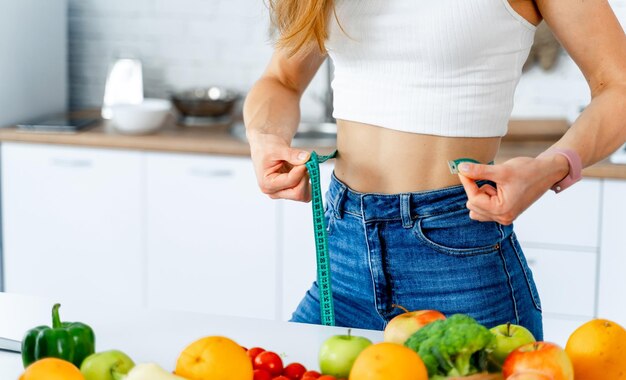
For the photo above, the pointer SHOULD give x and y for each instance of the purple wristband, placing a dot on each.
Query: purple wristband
(575, 168)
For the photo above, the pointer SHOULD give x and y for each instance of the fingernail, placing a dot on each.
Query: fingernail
(302, 156)
(465, 168)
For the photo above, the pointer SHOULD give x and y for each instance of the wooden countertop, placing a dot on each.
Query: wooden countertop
(525, 138)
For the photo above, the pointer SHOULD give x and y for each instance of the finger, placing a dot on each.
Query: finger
(301, 192)
(486, 198)
(477, 196)
(489, 190)
(478, 171)
(293, 156)
(480, 217)
(471, 188)
(277, 181)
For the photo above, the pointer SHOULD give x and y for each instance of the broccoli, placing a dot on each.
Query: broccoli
(456, 346)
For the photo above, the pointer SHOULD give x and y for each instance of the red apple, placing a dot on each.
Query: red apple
(402, 326)
(530, 375)
(544, 358)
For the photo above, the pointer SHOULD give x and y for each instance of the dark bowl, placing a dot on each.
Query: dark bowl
(205, 102)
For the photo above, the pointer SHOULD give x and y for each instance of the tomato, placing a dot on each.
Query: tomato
(281, 377)
(294, 371)
(261, 374)
(270, 362)
(309, 375)
(327, 377)
(253, 352)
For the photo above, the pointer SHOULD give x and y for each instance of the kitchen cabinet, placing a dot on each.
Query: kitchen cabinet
(560, 236)
(71, 222)
(611, 303)
(570, 218)
(210, 237)
(566, 281)
(558, 329)
(297, 247)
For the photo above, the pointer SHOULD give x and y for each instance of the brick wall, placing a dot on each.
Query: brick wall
(185, 43)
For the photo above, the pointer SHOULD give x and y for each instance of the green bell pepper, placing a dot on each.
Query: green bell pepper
(70, 341)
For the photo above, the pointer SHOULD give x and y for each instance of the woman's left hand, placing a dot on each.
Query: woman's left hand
(519, 183)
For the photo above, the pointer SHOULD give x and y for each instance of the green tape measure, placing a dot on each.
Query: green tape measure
(453, 165)
(327, 310)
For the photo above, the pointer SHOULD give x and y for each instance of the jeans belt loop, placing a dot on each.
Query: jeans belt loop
(405, 210)
(339, 202)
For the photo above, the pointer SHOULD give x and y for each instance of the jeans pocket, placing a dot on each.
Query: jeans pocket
(530, 282)
(454, 233)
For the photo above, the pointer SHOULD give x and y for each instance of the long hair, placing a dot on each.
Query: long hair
(301, 24)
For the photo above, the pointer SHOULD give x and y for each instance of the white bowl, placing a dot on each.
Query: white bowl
(142, 118)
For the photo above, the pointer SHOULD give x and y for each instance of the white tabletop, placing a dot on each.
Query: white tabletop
(159, 336)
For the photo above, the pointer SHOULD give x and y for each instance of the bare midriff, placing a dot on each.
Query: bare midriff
(372, 159)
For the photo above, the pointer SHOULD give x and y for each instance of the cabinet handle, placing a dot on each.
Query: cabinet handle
(211, 173)
(71, 162)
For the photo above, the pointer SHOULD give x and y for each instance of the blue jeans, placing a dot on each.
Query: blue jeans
(422, 251)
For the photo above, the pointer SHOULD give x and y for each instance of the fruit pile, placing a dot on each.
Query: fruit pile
(418, 345)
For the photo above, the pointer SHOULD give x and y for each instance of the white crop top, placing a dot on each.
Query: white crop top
(440, 67)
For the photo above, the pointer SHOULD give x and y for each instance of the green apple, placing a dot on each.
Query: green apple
(508, 338)
(338, 353)
(106, 365)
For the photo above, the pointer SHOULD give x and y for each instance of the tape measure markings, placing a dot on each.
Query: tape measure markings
(327, 310)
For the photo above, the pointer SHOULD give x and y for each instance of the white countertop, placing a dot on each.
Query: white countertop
(159, 336)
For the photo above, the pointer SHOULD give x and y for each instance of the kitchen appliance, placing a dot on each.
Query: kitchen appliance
(10, 345)
(57, 124)
(205, 105)
(124, 85)
(33, 62)
(33, 59)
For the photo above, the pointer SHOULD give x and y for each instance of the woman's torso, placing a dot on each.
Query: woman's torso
(387, 159)
(378, 160)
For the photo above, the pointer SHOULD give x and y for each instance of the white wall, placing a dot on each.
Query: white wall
(182, 43)
(199, 42)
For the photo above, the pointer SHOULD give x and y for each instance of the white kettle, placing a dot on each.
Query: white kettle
(124, 85)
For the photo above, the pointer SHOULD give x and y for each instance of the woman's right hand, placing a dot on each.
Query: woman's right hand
(280, 169)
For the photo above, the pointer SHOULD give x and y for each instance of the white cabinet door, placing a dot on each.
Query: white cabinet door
(570, 218)
(566, 281)
(558, 329)
(211, 237)
(72, 223)
(298, 248)
(611, 304)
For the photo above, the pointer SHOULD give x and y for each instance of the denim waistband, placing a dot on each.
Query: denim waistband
(403, 206)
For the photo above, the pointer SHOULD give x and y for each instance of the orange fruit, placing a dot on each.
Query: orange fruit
(52, 369)
(385, 361)
(597, 350)
(214, 357)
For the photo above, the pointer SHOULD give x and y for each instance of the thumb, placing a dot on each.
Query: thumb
(296, 156)
(478, 171)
